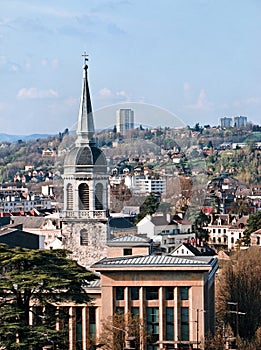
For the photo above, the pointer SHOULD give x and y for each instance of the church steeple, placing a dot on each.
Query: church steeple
(85, 215)
(85, 128)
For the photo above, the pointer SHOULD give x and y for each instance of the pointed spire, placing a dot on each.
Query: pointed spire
(85, 128)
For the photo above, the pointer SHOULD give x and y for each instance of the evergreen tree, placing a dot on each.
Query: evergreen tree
(39, 279)
(149, 206)
(253, 224)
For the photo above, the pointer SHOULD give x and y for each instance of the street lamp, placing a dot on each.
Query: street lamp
(129, 341)
(235, 303)
(197, 322)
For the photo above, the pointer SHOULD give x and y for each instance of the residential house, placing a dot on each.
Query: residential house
(16, 237)
(226, 231)
(168, 231)
(255, 238)
(192, 249)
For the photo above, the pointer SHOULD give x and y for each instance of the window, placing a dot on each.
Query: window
(152, 324)
(78, 322)
(232, 240)
(214, 239)
(169, 323)
(214, 230)
(92, 322)
(84, 197)
(184, 293)
(219, 230)
(134, 293)
(99, 197)
(120, 293)
(127, 251)
(169, 293)
(135, 312)
(152, 293)
(84, 240)
(184, 323)
(119, 310)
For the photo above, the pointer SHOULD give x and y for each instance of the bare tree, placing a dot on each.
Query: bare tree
(238, 294)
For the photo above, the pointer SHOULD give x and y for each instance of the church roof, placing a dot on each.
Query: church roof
(85, 156)
(85, 128)
(81, 159)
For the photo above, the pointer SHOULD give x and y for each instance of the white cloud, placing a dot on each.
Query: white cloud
(202, 102)
(105, 92)
(109, 96)
(54, 63)
(34, 93)
(121, 93)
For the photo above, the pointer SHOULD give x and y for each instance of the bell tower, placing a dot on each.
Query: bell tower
(85, 223)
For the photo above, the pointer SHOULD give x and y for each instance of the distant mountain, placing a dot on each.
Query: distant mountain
(14, 138)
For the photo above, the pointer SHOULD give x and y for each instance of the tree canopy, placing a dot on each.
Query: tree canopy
(253, 224)
(37, 278)
(239, 291)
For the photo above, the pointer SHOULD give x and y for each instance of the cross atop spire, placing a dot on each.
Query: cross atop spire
(85, 55)
(85, 129)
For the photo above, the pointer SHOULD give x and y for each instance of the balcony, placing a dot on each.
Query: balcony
(85, 214)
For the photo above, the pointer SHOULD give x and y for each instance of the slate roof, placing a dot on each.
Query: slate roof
(29, 221)
(19, 238)
(196, 250)
(130, 240)
(159, 220)
(95, 284)
(154, 260)
(120, 223)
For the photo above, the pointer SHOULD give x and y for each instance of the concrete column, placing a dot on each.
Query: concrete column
(126, 300)
(161, 314)
(72, 328)
(85, 328)
(142, 317)
(176, 315)
(98, 321)
(91, 185)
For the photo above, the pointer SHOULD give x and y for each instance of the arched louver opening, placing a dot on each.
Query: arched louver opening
(84, 240)
(99, 197)
(69, 195)
(84, 195)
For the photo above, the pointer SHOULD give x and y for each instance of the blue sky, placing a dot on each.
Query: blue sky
(198, 59)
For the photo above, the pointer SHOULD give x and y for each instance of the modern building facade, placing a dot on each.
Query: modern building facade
(225, 122)
(124, 120)
(233, 122)
(240, 121)
(172, 296)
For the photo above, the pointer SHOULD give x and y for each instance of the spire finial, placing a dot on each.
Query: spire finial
(85, 57)
(85, 129)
